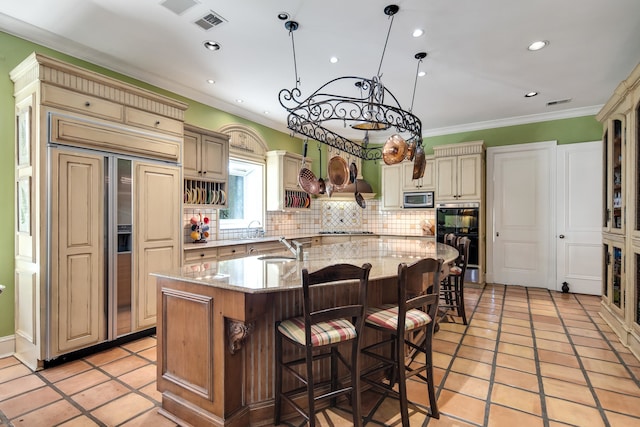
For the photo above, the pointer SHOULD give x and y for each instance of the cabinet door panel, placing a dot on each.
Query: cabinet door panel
(157, 221)
(446, 178)
(469, 176)
(290, 174)
(391, 194)
(214, 158)
(190, 155)
(77, 272)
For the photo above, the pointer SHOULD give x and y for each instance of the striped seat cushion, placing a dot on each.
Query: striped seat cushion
(386, 317)
(323, 333)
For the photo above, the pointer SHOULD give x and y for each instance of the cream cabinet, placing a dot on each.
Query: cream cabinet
(426, 183)
(460, 177)
(620, 118)
(206, 154)
(205, 168)
(74, 127)
(392, 176)
(283, 190)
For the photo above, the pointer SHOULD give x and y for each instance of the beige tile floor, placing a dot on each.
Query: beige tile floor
(528, 357)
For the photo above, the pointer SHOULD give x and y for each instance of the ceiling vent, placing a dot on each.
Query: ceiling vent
(558, 101)
(210, 20)
(179, 6)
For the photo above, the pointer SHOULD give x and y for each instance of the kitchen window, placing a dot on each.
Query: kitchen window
(245, 196)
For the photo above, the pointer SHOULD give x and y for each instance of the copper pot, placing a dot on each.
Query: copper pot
(419, 163)
(411, 150)
(394, 150)
(338, 171)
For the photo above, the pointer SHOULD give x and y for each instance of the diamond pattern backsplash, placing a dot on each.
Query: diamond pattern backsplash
(341, 216)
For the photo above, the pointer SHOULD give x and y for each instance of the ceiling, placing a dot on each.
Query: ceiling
(478, 68)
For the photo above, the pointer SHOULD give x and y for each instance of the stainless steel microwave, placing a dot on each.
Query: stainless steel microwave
(417, 199)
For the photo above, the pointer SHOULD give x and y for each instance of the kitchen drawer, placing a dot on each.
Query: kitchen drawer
(56, 96)
(204, 254)
(231, 251)
(153, 121)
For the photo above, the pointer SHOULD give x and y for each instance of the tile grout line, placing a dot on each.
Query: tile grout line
(536, 359)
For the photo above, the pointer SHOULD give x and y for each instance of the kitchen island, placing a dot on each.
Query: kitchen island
(216, 321)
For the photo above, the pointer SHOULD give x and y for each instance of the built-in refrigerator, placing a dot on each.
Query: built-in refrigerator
(113, 220)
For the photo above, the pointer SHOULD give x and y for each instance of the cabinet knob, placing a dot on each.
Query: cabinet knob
(157, 122)
(87, 104)
(561, 236)
(201, 255)
(233, 251)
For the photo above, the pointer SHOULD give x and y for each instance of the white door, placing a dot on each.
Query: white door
(579, 217)
(520, 227)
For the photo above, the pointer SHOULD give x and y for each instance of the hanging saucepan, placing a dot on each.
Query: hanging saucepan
(359, 199)
(419, 163)
(411, 150)
(394, 150)
(338, 172)
(322, 187)
(306, 178)
(353, 172)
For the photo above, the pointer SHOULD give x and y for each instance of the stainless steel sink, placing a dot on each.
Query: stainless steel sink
(276, 258)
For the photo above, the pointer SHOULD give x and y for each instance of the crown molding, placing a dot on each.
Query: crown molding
(513, 121)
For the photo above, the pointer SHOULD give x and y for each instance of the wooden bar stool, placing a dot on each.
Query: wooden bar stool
(398, 324)
(452, 289)
(319, 331)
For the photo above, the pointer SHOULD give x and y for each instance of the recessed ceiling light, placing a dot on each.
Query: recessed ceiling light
(283, 16)
(266, 113)
(239, 101)
(530, 94)
(418, 32)
(211, 81)
(422, 73)
(333, 59)
(537, 45)
(212, 45)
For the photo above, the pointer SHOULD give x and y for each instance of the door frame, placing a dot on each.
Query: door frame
(549, 146)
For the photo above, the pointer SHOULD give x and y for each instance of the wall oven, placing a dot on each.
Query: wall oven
(463, 219)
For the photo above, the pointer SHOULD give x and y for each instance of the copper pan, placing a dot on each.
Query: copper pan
(419, 163)
(394, 150)
(338, 171)
(411, 150)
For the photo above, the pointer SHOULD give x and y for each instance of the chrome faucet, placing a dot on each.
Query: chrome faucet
(257, 229)
(297, 251)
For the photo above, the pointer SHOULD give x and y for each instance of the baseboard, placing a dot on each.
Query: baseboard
(7, 345)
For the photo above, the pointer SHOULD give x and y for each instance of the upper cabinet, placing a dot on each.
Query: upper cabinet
(426, 183)
(205, 167)
(283, 190)
(206, 154)
(459, 172)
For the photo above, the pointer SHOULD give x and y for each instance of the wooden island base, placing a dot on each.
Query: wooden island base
(216, 327)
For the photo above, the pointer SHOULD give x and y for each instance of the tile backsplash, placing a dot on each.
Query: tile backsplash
(324, 215)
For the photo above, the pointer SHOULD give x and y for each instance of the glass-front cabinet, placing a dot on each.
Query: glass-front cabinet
(613, 291)
(620, 118)
(614, 185)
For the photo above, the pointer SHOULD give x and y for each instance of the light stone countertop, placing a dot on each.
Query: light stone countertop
(230, 242)
(252, 275)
